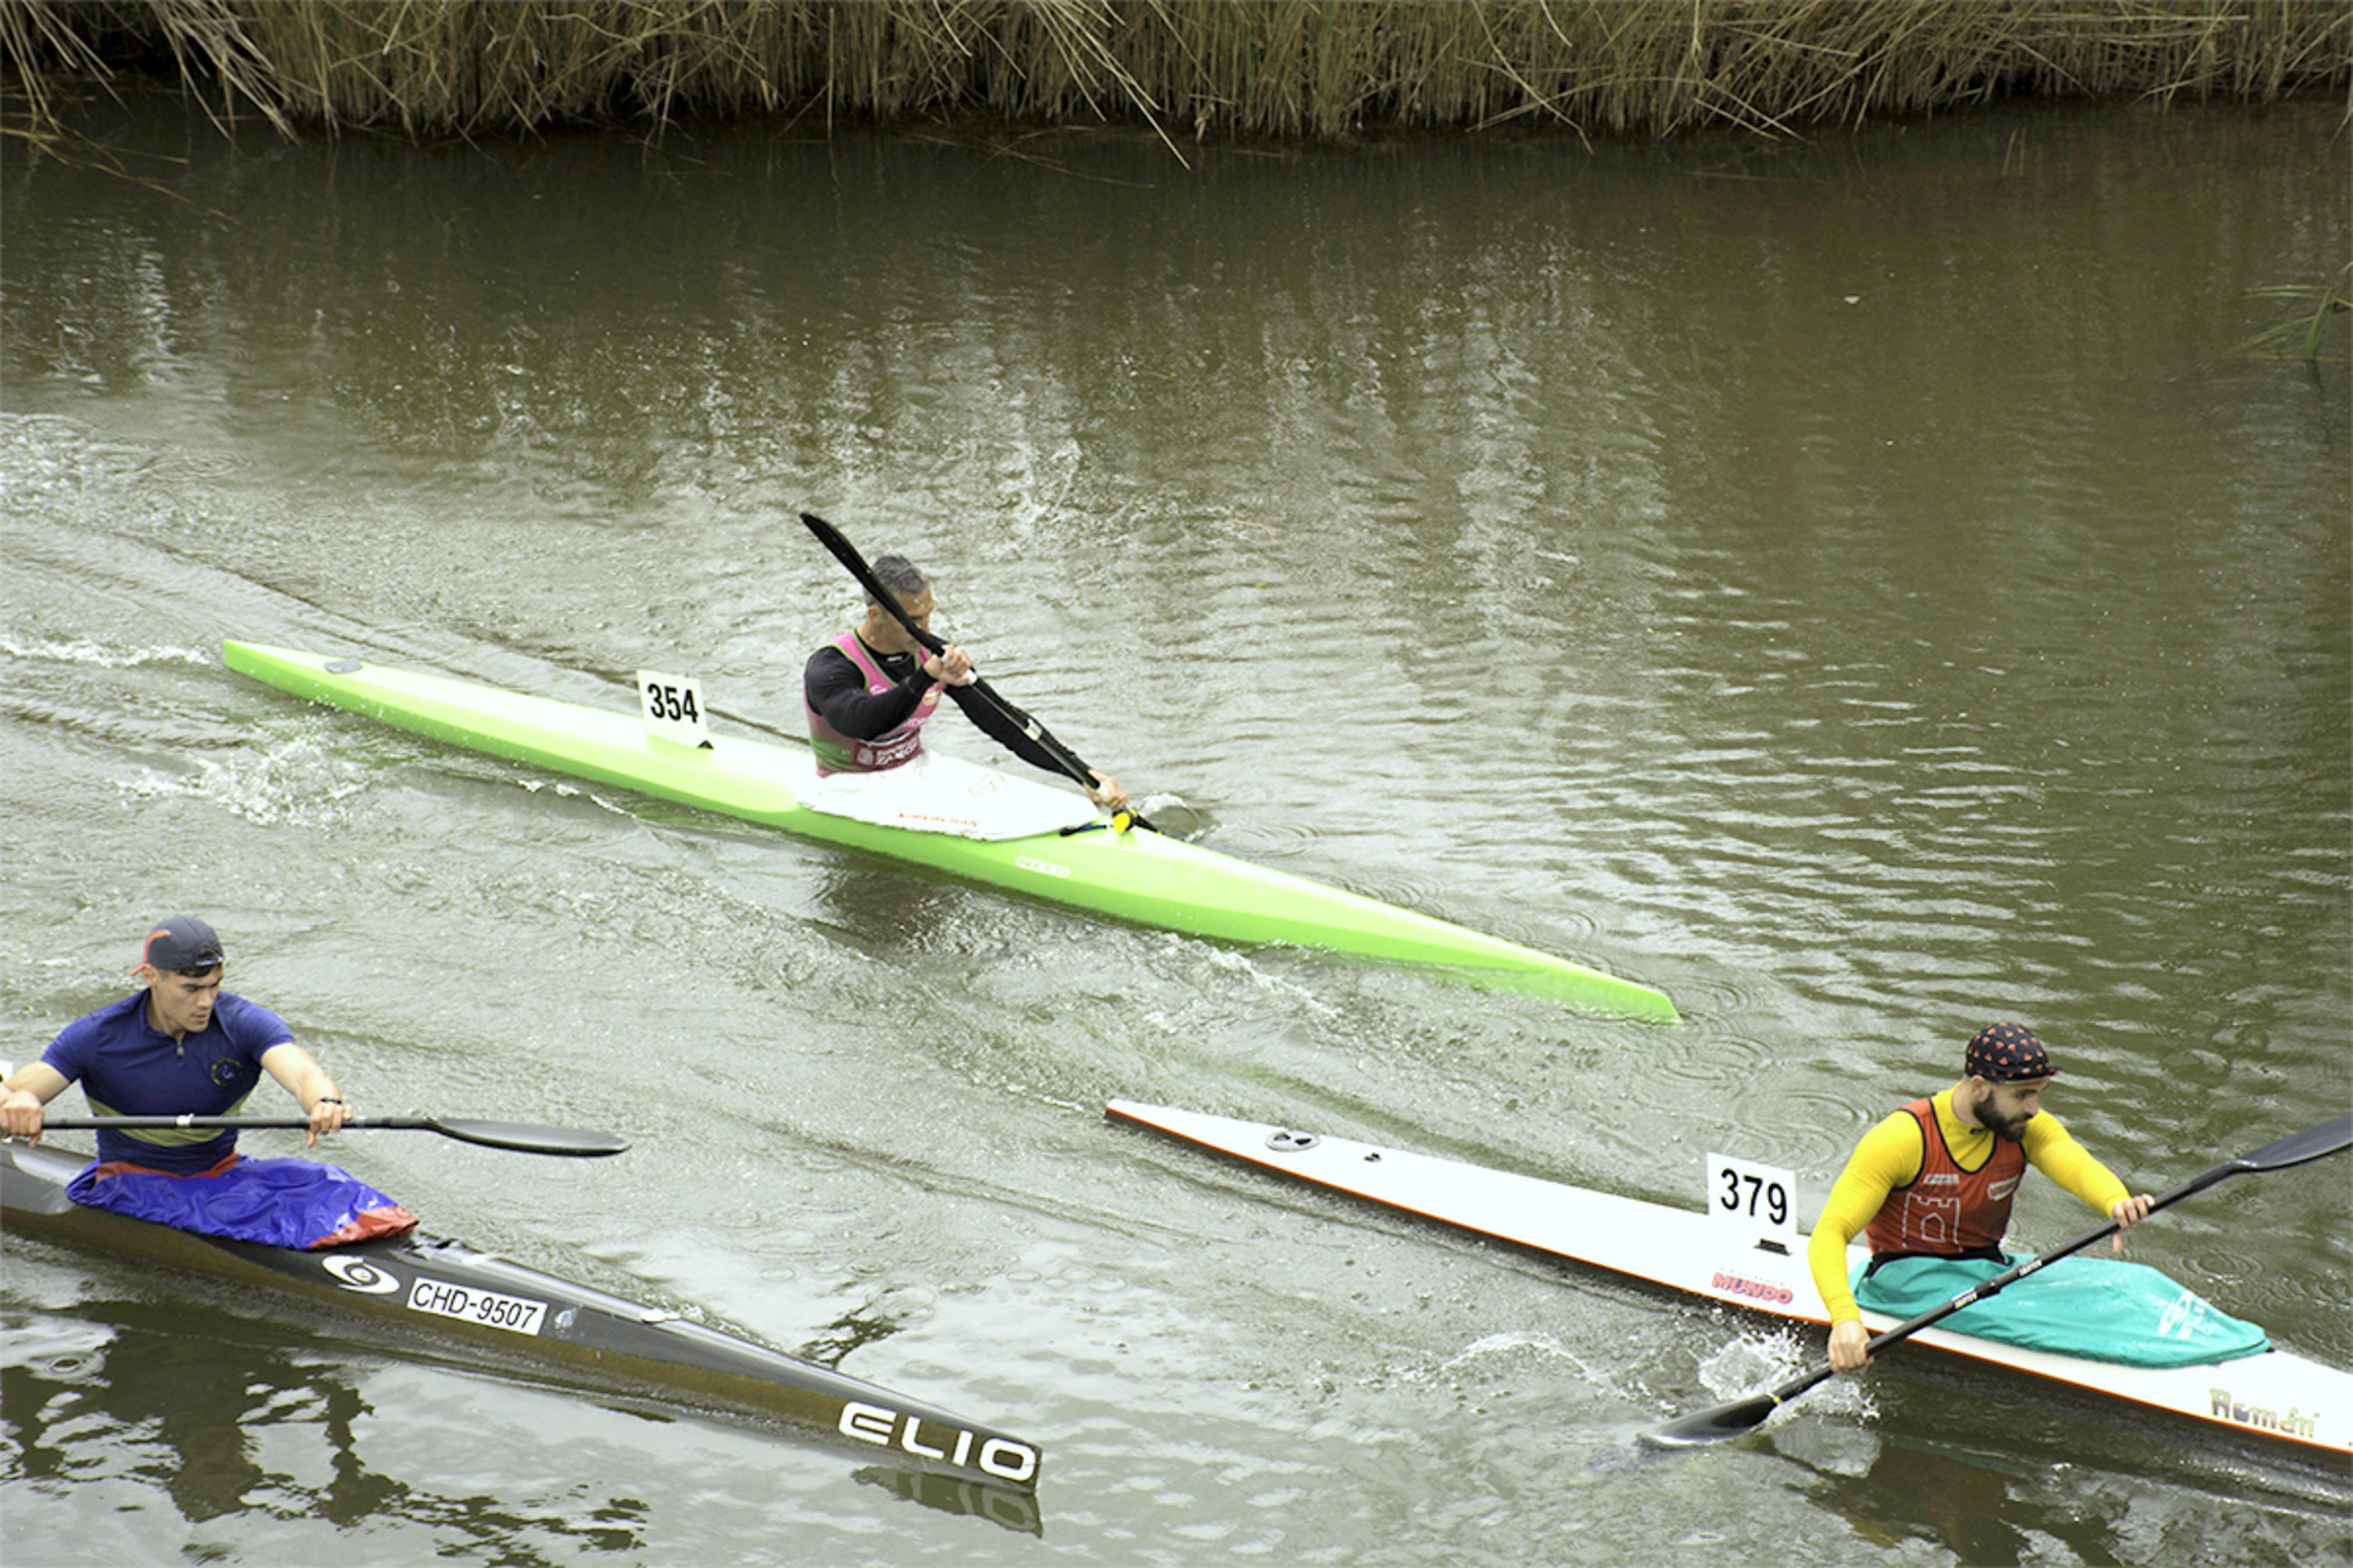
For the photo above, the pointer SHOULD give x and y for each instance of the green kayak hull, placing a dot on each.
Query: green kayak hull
(1140, 876)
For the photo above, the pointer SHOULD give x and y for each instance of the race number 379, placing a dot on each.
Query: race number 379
(672, 706)
(1757, 1202)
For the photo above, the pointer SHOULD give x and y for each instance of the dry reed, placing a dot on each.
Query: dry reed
(1259, 67)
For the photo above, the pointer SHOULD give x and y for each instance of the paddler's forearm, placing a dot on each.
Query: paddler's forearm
(1857, 1196)
(2055, 1153)
(1826, 1259)
(313, 1088)
(991, 722)
(1886, 1160)
(25, 1096)
(837, 691)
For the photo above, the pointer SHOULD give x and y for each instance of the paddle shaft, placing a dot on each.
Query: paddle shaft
(294, 1123)
(521, 1138)
(1068, 761)
(1728, 1420)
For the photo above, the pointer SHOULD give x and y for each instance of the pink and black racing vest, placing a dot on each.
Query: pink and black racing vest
(840, 753)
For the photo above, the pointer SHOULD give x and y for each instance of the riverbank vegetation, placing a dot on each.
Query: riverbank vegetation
(1191, 70)
(2305, 334)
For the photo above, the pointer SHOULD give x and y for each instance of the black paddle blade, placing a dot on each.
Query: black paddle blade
(524, 1138)
(847, 554)
(1715, 1424)
(2333, 1137)
(833, 540)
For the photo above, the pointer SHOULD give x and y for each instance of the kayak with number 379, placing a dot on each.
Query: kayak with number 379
(2274, 1394)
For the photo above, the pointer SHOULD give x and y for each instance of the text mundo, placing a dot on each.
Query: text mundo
(884, 1428)
(1757, 1290)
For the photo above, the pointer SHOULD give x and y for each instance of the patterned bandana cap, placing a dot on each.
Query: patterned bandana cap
(2006, 1053)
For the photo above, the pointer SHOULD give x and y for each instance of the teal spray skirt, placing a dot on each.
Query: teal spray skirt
(2099, 1309)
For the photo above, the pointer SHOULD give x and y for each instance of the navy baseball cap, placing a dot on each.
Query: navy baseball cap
(182, 942)
(2007, 1053)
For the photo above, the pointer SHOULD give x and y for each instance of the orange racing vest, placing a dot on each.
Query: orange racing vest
(1946, 1211)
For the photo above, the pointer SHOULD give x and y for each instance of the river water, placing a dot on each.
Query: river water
(1855, 586)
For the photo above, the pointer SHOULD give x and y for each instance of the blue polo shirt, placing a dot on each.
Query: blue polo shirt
(126, 1067)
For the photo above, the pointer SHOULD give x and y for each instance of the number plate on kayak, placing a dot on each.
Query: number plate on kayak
(672, 707)
(516, 1314)
(1753, 1205)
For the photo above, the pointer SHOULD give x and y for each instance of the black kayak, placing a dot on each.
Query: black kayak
(448, 1289)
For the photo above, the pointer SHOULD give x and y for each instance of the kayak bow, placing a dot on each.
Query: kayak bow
(1145, 877)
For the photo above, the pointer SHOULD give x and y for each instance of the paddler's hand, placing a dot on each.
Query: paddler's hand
(1106, 793)
(20, 1115)
(950, 667)
(327, 1114)
(1848, 1343)
(2128, 1213)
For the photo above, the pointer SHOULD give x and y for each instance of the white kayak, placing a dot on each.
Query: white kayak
(2271, 1395)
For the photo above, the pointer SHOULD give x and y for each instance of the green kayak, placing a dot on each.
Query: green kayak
(1142, 876)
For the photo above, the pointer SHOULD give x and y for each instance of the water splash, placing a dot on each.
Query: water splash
(88, 651)
(299, 781)
(1546, 1346)
(1748, 1363)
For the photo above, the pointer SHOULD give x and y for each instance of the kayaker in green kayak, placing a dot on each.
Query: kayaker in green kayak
(869, 692)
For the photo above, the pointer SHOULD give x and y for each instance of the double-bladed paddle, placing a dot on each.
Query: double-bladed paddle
(1732, 1418)
(847, 554)
(521, 1137)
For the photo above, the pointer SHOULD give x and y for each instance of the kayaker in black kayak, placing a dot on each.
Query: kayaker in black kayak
(181, 1046)
(868, 692)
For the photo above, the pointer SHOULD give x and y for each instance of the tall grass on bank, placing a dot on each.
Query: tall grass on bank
(1190, 69)
(2305, 334)
(35, 42)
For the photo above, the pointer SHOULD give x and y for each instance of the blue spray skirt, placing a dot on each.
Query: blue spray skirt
(279, 1202)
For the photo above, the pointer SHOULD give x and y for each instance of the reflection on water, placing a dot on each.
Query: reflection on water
(1894, 1485)
(225, 1421)
(1013, 1511)
(847, 1333)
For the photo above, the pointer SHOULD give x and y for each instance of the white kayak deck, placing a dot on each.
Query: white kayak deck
(938, 794)
(2275, 1393)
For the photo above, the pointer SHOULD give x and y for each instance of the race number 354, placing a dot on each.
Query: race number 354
(672, 706)
(673, 702)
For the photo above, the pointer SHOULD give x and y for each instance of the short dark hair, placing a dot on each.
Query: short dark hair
(898, 574)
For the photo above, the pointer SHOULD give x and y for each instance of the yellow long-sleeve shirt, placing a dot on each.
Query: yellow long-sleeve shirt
(1889, 1156)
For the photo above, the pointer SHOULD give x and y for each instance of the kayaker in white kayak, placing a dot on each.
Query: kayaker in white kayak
(181, 1046)
(868, 692)
(1932, 1184)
